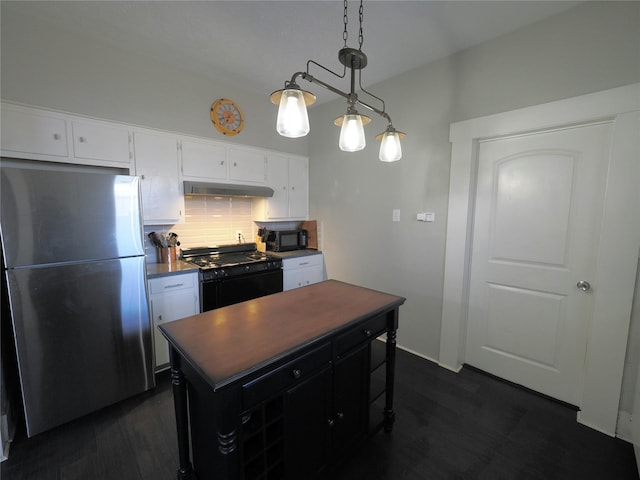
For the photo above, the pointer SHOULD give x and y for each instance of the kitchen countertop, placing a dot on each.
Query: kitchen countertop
(295, 253)
(155, 270)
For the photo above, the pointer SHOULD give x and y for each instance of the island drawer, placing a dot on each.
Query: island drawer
(286, 375)
(364, 332)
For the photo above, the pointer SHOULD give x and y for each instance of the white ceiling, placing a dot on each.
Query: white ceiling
(257, 45)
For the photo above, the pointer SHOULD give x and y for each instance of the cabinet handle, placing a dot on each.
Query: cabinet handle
(174, 285)
(367, 332)
(141, 177)
(56, 136)
(340, 415)
(221, 162)
(293, 188)
(82, 140)
(235, 164)
(297, 373)
(159, 318)
(303, 263)
(331, 422)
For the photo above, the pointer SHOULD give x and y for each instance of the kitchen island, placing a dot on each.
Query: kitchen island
(283, 386)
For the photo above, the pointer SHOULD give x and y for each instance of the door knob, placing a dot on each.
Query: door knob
(583, 285)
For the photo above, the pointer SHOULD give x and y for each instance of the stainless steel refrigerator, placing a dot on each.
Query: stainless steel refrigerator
(73, 251)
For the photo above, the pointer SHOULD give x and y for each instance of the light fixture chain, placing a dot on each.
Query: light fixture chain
(345, 19)
(360, 34)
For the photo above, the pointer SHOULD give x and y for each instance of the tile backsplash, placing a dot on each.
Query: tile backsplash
(209, 220)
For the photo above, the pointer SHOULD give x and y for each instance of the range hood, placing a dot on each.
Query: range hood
(227, 189)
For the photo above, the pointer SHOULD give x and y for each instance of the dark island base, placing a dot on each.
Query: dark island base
(296, 414)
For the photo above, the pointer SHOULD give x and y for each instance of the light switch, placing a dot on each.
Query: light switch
(396, 215)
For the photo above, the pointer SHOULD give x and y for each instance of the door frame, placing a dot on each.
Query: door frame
(619, 243)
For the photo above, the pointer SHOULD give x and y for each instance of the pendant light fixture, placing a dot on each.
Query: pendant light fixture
(293, 120)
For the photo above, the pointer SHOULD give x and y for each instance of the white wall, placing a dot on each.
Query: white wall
(592, 47)
(629, 416)
(47, 67)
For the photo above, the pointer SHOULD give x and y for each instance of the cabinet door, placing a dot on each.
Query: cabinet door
(278, 179)
(313, 274)
(92, 141)
(301, 271)
(298, 188)
(207, 161)
(156, 159)
(32, 135)
(178, 299)
(350, 400)
(308, 426)
(246, 165)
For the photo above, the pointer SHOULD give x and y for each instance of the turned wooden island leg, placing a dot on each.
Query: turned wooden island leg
(185, 470)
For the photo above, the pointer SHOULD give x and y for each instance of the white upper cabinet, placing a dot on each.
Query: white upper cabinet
(156, 159)
(97, 141)
(298, 188)
(278, 179)
(246, 165)
(162, 160)
(33, 135)
(219, 162)
(288, 176)
(204, 160)
(42, 135)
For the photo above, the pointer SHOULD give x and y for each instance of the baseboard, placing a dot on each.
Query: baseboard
(624, 429)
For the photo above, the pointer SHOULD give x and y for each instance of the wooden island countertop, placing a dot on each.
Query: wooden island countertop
(228, 343)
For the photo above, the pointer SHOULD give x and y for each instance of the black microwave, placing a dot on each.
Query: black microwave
(285, 240)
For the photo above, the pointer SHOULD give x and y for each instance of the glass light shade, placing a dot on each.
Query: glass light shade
(352, 134)
(390, 148)
(293, 121)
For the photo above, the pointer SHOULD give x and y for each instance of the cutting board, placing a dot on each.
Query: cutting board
(312, 228)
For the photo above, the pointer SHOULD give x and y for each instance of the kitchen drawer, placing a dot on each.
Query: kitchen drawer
(362, 333)
(173, 282)
(283, 377)
(305, 261)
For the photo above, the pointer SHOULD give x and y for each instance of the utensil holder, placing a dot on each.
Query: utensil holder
(166, 254)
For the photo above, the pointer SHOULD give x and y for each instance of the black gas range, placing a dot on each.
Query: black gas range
(234, 273)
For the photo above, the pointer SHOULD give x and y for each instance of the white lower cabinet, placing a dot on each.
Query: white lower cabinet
(172, 297)
(301, 271)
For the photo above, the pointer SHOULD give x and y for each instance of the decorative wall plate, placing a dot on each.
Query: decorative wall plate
(227, 117)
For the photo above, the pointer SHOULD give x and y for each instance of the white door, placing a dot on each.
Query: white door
(539, 205)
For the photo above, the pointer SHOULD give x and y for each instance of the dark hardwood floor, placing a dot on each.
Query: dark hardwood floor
(448, 426)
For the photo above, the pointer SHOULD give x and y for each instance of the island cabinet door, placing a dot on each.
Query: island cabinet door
(308, 427)
(350, 400)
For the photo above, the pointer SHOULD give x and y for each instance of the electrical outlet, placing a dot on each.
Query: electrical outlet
(239, 235)
(426, 216)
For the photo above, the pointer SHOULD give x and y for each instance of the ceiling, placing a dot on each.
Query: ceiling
(257, 45)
